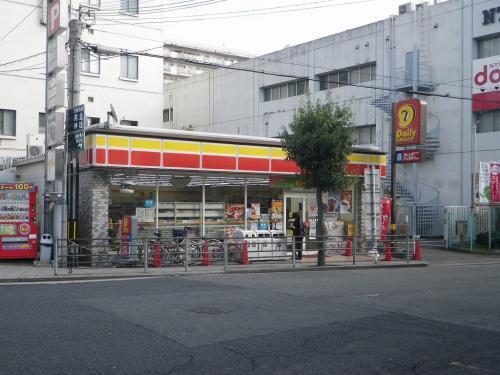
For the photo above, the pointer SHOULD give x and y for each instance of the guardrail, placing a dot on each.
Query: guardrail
(225, 253)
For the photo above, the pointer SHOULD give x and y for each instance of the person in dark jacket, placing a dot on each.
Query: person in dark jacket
(298, 232)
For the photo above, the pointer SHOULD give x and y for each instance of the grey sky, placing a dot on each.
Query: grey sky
(267, 33)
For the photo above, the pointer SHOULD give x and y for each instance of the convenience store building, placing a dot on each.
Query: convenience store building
(212, 183)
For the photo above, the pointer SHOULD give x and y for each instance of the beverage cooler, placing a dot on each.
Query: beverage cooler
(18, 227)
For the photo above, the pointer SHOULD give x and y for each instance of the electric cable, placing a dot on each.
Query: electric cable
(20, 22)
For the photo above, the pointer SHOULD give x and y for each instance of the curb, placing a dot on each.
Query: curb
(217, 272)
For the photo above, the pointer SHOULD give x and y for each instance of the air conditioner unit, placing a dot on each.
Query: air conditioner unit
(405, 8)
(35, 144)
(421, 5)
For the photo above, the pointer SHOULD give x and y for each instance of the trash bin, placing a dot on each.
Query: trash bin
(46, 247)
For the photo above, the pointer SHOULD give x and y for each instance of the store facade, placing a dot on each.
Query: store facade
(212, 184)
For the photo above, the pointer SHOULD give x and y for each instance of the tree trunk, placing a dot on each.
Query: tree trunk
(320, 228)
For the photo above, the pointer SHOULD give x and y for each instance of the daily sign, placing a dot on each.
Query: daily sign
(76, 128)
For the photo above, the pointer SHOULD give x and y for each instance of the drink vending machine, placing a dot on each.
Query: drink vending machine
(18, 221)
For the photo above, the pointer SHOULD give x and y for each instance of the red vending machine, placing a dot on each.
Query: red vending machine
(18, 228)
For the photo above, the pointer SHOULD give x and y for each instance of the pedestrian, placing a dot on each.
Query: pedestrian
(298, 233)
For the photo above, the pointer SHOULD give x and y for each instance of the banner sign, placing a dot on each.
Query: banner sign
(494, 182)
(408, 156)
(410, 119)
(489, 182)
(385, 216)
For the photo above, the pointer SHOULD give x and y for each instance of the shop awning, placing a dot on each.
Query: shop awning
(176, 150)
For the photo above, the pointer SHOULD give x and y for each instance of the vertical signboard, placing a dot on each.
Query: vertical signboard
(56, 54)
(55, 91)
(55, 129)
(495, 182)
(58, 17)
(76, 128)
(410, 122)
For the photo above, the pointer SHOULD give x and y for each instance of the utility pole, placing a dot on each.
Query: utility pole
(71, 162)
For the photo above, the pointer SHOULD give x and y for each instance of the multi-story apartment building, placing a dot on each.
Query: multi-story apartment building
(131, 83)
(370, 67)
(182, 61)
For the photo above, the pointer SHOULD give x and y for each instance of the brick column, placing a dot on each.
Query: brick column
(93, 204)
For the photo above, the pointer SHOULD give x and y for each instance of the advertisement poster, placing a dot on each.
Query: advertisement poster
(235, 212)
(333, 203)
(385, 216)
(277, 210)
(346, 202)
(494, 182)
(484, 182)
(255, 211)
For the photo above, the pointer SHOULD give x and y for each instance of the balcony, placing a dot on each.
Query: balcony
(404, 79)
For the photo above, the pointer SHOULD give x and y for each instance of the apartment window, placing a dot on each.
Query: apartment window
(41, 122)
(92, 3)
(91, 62)
(129, 67)
(93, 120)
(168, 114)
(365, 135)
(489, 47)
(285, 90)
(129, 123)
(353, 75)
(489, 122)
(129, 6)
(7, 122)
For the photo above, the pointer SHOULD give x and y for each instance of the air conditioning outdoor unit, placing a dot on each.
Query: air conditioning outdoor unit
(34, 145)
(405, 8)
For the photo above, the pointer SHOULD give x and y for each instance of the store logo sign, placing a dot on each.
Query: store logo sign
(489, 15)
(409, 122)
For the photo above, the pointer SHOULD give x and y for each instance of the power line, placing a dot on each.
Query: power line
(20, 22)
(22, 58)
(161, 8)
(255, 13)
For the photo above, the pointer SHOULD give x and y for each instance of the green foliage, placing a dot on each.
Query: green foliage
(319, 141)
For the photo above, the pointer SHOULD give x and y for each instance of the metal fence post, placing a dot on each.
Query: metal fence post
(145, 252)
(408, 248)
(293, 252)
(186, 255)
(56, 248)
(225, 254)
(353, 250)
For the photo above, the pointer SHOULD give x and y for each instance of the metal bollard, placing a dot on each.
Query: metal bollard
(186, 255)
(407, 249)
(225, 254)
(56, 248)
(146, 254)
(293, 252)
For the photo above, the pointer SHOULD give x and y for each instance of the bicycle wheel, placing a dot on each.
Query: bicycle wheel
(194, 252)
(216, 249)
(169, 252)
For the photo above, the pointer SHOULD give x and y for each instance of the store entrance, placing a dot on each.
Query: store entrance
(304, 204)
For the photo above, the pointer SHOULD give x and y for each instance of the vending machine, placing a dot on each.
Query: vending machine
(18, 227)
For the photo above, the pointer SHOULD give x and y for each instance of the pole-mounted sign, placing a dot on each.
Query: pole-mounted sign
(58, 17)
(75, 128)
(410, 122)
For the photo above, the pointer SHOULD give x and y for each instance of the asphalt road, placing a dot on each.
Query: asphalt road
(443, 319)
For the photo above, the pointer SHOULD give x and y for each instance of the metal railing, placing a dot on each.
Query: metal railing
(186, 252)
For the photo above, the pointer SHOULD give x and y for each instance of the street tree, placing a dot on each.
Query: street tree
(319, 140)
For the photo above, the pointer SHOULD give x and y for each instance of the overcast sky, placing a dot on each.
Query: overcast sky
(266, 33)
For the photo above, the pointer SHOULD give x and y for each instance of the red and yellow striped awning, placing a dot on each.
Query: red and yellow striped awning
(125, 151)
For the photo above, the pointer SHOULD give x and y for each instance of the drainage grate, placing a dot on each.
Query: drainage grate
(209, 310)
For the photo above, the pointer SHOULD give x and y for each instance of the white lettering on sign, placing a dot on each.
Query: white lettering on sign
(58, 17)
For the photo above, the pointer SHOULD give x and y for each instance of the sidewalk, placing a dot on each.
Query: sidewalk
(24, 271)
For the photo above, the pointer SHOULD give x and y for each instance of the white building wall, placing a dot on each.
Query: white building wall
(231, 101)
(24, 90)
